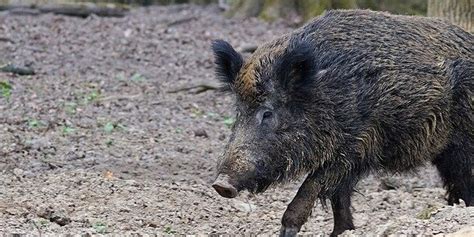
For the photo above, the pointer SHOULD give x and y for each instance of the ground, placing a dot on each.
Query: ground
(108, 138)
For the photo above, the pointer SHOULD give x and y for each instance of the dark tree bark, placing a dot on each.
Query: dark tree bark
(245, 8)
(459, 12)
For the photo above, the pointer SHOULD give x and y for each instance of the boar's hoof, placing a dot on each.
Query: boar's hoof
(224, 188)
(288, 232)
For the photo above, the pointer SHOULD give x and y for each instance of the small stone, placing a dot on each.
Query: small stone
(18, 172)
(153, 225)
(57, 216)
(200, 133)
(124, 209)
(13, 211)
(386, 229)
(221, 137)
(407, 204)
(244, 206)
(466, 231)
(389, 183)
(38, 144)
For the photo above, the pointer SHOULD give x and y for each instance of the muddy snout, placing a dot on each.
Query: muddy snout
(224, 187)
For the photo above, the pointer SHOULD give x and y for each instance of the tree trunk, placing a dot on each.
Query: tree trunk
(273, 9)
(459, 12)
(245, 8)
(310, 8)
(343, 4)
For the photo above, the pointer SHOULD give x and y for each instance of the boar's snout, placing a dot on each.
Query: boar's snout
(224, 187)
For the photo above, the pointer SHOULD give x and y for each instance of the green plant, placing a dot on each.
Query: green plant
(109, 127)
(195, 112)
(109, 142)
(100, 227)
(169, 231)
(137, 77)
(212, 115)
(120, 77)
(229, 121)
(6, 89)
(427, 213)
(91, 97)
(34, 123)
(70, 107)
(43, 222)
(67, 130)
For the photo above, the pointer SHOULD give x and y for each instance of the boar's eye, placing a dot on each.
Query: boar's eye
(228, 62)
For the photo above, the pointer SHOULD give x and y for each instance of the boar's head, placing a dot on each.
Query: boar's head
(283, 125)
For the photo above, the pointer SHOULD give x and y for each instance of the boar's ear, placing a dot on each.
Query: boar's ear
(228, 62)
(296, 70)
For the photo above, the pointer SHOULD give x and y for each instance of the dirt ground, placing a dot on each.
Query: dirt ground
(102, 139)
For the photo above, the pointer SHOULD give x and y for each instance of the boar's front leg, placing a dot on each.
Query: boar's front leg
(340, 203)
(300, 208)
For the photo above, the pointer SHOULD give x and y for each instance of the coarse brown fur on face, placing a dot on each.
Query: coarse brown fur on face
(251, 73)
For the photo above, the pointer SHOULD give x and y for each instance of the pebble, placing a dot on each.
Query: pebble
(200, 133)
(244, 206)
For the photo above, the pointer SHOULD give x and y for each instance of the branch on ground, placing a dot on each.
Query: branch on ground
(22, 71)
(196, 89)
(76, 10)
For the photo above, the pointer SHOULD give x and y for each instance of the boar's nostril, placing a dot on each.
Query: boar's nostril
(267, 114)
(224, 188)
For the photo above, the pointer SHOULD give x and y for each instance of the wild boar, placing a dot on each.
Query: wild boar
(349, 93)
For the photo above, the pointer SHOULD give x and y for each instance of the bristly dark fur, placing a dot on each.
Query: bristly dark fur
(352, 92)
(228, 63)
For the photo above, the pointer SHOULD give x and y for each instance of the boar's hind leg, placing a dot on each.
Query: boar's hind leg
(456, 162)
(341, 202)
(454, 165)
(300, 208)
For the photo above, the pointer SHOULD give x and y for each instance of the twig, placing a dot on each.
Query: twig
(17, 70)
(36, 226)
(77, 10)
(5, 39)
(181, 21)
(35, 49)
(200, 88)
(24, 11)
(119, 97)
